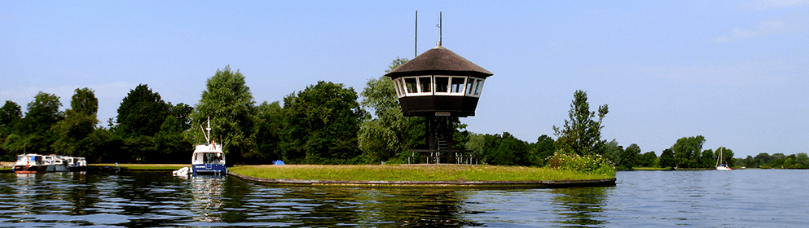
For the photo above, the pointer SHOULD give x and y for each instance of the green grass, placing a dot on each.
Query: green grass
(410, 173)
(651, 168)
(143, 166)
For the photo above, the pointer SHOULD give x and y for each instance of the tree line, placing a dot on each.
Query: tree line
(325, 123)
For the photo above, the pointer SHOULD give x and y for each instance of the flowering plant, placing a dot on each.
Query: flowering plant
(590, 164)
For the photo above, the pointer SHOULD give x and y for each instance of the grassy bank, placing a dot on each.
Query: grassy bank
(142, 166)
(410, 173)
(651, 169)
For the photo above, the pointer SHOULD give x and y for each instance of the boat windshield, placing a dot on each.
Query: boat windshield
(21, 158)
(208, 158)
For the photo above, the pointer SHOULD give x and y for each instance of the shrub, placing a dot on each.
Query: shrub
(590, 164)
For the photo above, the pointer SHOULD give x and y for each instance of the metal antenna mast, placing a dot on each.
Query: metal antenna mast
(416, 51)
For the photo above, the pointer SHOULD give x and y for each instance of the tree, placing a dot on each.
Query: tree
(648, 159)
(510, 151)
(581, 134)
(269, 129)
(10, 115)
(707, 159)
(79, 122)
(686, 151)
(630, 156)
(42, 113)
(613, 151)
(322, 123)
(543, 149)
(390, 134)
(169, 142)
(802, 160)
(476, 144)
(141, 113)
(229, 104)
(667, 159)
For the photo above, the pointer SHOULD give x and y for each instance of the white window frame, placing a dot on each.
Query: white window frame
(435, 85)
(463, 86)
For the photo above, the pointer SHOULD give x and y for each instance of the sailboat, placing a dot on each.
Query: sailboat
(720, 162)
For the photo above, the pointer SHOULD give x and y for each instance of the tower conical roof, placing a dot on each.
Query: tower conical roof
(439, 61)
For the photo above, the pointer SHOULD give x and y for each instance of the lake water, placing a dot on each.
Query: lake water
(739, 198)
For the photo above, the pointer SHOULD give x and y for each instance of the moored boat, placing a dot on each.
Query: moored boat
(29, 163)
(208, 158)
(720, 162)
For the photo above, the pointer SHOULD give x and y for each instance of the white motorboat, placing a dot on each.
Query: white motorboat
(208, 158)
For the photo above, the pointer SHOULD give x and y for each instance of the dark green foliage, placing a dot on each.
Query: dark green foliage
(647, 159)
(322, 122)
(84, 101)
(268, 131)
(170, 143)
(10, 115)
(42, 113)
(510, 151)
(613, 151)
(667, 159)
(228, 102)
(581, 134)
(630, 156)
(542, 151)
(389, 135)
(686, 151)
(707, 159)
(141, 113)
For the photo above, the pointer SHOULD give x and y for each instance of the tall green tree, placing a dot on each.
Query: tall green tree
(543, 149)
(707, 159)
(510, 151)
(613, 151)
(10, 115)
(80, 121)
(322, 123)
(630, 156)
(581, 134)
(42, 113)
(141, 113)
(686, 151)
(169, 142)
(228, 102)
(269, 129)
(648, 159)
(389, 135)
(476, 144)
(667, 159)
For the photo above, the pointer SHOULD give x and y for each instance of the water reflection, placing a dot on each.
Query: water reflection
(148, 199)
(580, 205)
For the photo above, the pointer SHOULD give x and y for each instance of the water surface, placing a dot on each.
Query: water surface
(744, 198)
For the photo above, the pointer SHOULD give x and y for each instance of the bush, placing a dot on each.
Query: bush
(590, 164)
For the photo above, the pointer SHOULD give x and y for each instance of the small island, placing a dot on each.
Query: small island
(419, 175)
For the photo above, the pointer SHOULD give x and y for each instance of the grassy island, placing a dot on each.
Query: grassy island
(412, 173)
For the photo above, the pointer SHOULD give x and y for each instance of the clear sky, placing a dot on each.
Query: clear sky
(735, 72)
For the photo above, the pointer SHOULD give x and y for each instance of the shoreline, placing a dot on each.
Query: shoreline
(409, 176)
(494, 184)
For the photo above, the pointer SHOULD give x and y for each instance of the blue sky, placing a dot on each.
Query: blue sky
(732, 71)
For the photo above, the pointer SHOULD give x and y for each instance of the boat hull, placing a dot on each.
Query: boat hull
(57, 168)
(209, 169)
(29, 169)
